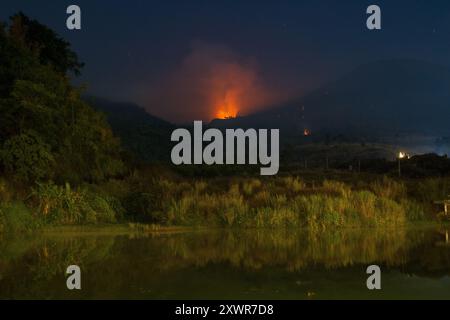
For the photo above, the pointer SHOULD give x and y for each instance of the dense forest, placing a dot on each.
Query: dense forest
(47, 131)
(60, 164)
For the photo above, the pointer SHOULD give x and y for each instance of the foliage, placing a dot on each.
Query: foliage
(49, 47)
(47, 129)
(27, 156)
(16, 218)
(64, 205)
(142, 206)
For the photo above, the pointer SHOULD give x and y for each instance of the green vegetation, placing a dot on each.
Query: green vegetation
(66, 206)
(17, 218)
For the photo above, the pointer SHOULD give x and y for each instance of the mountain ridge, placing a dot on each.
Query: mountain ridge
(145, 135)
(397, 96)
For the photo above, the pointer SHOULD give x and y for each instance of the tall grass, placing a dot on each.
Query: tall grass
(287, 202)
(284, 201)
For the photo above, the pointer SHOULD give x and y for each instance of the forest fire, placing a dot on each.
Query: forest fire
(228, 108)
(225, 114)
(212, 82)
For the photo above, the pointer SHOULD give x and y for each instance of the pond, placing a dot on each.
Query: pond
(237, 264)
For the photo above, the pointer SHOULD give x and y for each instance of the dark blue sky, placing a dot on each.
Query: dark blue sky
(134, 50)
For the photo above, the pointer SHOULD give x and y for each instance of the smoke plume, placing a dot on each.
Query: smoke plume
(211, 82)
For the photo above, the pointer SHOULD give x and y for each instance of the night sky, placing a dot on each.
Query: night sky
(182, 59)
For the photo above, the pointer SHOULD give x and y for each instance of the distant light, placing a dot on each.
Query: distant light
(403, 155)
(306, 132)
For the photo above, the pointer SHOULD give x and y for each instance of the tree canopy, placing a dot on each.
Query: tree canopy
(46, 130)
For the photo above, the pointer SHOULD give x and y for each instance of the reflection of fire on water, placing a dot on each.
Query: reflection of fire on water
(306, 132)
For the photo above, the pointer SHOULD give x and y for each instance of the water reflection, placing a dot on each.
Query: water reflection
(284, 264)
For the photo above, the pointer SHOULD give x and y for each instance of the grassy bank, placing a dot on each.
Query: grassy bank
(171, 200)
(287, 202)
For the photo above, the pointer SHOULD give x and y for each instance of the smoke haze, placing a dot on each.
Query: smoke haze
(212, 81)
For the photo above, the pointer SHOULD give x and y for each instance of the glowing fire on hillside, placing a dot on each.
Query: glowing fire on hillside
(224, 114)
(228, 108)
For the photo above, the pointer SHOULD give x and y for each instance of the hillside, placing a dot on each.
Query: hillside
(381, 98)
(146, 136)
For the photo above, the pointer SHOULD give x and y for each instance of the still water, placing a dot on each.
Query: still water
(240, 264)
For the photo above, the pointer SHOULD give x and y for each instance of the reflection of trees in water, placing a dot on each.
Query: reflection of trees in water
(36, 261)
(253, 249)
(431, 258)
(289, 249)
(116, 262)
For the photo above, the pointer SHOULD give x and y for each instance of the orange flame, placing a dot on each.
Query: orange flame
(222, 114)
(228, 108)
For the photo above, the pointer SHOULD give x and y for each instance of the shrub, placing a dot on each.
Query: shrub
(143, 207)
(27, 156)
(16, 218)
(63, 205)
